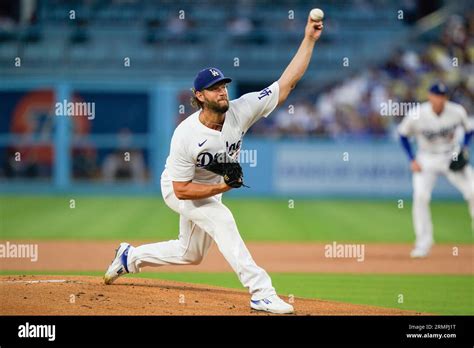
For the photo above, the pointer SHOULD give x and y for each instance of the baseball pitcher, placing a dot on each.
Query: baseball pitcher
(202, 165)
(434, 125)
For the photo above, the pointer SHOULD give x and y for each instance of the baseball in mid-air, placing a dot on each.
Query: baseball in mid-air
(316, 14)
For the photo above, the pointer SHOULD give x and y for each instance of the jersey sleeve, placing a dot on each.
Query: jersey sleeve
(253, 106)
(407, 127)
(180, 163)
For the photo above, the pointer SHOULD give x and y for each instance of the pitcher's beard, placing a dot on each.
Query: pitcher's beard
(216, 107)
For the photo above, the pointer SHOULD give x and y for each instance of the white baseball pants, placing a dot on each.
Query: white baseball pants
(200, 222)
(433, 165)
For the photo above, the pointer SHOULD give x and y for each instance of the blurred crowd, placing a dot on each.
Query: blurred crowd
(352, 107)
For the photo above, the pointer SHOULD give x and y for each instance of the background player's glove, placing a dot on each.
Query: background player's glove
(461, 161)
(228, 168)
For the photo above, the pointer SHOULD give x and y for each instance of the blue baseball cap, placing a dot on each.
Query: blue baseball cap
(439, 88)
(208, 77)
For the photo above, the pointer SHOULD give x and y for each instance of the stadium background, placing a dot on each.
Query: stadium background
(328, 167)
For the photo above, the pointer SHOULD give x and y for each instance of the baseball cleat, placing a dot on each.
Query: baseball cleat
(419, 253)
(272, 304)
(118, 266)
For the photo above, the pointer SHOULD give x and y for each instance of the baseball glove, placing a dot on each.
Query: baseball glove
(460, 162)
(228, 168)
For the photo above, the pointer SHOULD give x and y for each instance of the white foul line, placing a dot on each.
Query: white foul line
(36, 281)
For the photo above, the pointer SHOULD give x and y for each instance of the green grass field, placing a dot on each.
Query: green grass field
(131, 218)
(258, 219)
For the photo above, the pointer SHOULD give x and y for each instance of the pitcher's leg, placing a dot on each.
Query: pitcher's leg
(190, 248)
(215, 218)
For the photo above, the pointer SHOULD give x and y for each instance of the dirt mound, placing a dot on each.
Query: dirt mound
(82, 295)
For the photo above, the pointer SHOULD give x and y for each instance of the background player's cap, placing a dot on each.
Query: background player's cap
(208, 77)
(439, 88)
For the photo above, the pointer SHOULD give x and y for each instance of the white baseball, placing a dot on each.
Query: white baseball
(316, 14)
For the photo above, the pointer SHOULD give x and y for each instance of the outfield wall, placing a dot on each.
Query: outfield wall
(288, 169)
(328, 169)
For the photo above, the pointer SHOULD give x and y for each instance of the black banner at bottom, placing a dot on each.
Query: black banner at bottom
(172, 330)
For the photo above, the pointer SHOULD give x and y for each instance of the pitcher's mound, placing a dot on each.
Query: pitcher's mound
(84, 295)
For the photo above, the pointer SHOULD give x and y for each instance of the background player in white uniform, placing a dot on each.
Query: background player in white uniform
(196, 193)
(434, 126)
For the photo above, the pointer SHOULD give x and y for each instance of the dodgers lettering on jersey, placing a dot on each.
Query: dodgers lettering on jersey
(194, 145)
(436, 133)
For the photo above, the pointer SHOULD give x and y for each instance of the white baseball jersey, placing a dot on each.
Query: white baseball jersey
(435, 133)
(194, 145)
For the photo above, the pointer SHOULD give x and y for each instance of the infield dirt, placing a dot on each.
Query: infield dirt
(273, 257)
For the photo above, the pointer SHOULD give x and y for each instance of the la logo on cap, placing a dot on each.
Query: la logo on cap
(213, 72)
